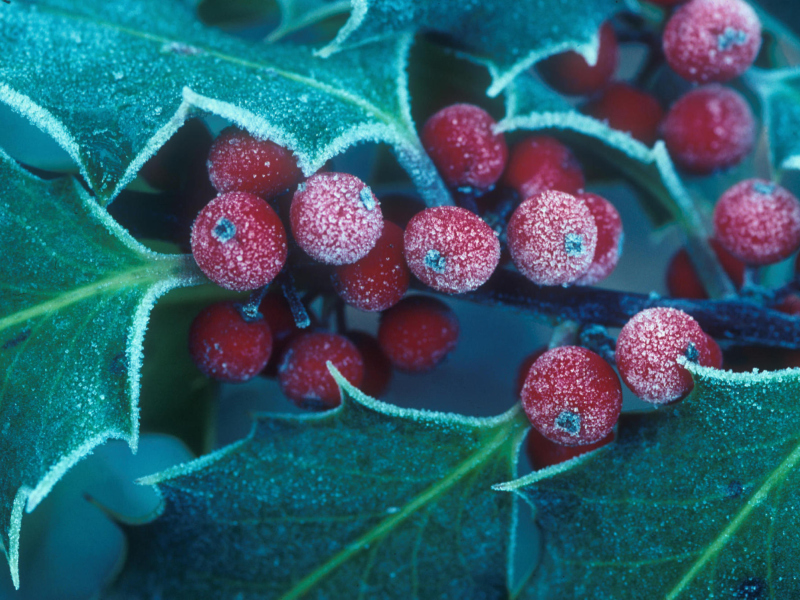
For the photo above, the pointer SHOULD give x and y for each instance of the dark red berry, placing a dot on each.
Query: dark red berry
(789, 305)
(175, 162)
(572, 396)
(226, 347)
(239, 162)
(543, 453)
(461, 142)
(541, 163)
(239, 242)
(758, 222)
(710, 127)
(715, 357)
(569, 73)
(451, 249)
(552, 238)
(609, 239)
(626, 108)
(683, 280)
(712, 40)
(277, 312)
(377, 366)
(524, 367)
(336, 218)
(380, 279)
(648, 348)
(303, 373)
(418, 333)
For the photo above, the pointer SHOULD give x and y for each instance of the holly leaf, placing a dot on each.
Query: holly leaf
(369, 498)
(132, 71)
(297, 14)
(508, 37)
(76, 294)
(779, 93)
(693, 501)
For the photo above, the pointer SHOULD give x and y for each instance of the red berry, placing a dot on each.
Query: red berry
(225, 346)
(336, 218)
(684, 282)
(303, 373)
(647, 352)
(628, 109)
(569, 73)
(552, 238)
(572, 396)
(789, 305)
(541, 163)
(451, 249)
(712, 40)
(709, 128)
(543, 453)
(380, 279)
(418, 333)
(239, 242)
(377, 366)
(462, 144)
(524, 367)
(609, 239)
(277, 312)
(714, 353)
(239, 162)
(758, 222)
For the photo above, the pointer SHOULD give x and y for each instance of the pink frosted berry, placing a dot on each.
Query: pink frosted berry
(758, 222)
(462, 144)
(572, 396)
(609, 239)
(239, 242)
(552, 238)
(451, 249)
(335, 218)
(648, 348)
(712, 40)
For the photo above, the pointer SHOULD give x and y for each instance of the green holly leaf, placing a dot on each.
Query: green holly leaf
(368, 499)
(692, 501)
(76, 294)
(297, 14)
(779, 92)
(132, 71)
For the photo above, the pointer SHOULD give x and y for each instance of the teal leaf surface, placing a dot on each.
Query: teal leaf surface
(779, 92)
(297, 14)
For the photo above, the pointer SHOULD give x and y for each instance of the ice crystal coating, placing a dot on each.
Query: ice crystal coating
(451, 249)
(609, 239)
(542, 163)
(330, 220)
(626, 108)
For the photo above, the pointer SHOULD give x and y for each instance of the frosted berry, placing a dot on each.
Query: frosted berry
(239, 162)
(572, 396)
(303, 373)
(683, 280)
(648, 348)
(418, 333)
(543, 453)
(336, 218)
(541, 163)
(609, 239)
(712, 40)
(377, 366)
(451, 249)
(225, 346)
(714, 353)
(758, 222)
(524, 367)
(569, 73)
(709, 128)
(626, 108)
(239, 242)
(380, 279)
(277, 312)
(552, 238)
(462, 144)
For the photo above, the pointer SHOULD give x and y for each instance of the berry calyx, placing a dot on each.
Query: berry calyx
(451, 249)
(572, 396)
(709, 128)
(542, 163)
(626, 108)
(461, 142)
(648, 348)
(239, 242)
(377, 366)
(303, 372)
(712, 40)
(758, 222)
(335, 218)
(569, 73)
(543, 453)
(552, 238)
(225, 346)
(418, 333)
(683, 280)
(609, 239)
(380, 279)
(239, 162)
